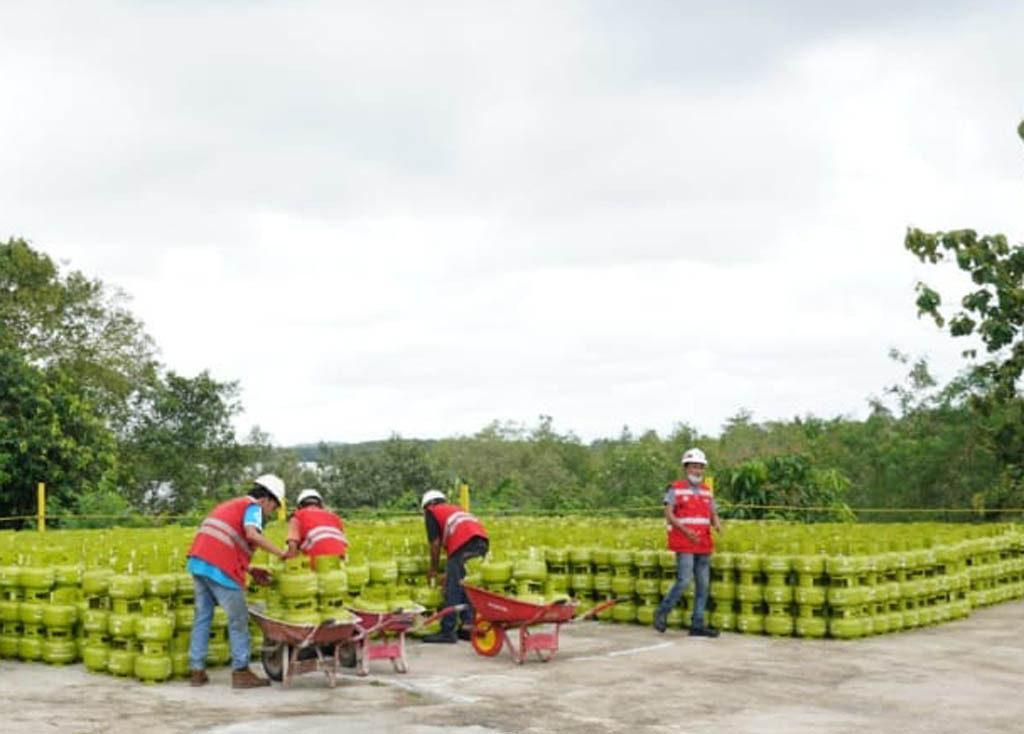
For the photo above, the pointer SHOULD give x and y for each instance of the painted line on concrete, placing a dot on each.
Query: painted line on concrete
(630, 651)
(411, 687)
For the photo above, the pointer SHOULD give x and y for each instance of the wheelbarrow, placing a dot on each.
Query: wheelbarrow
(384, 634)
(292, 649)
(497, 615)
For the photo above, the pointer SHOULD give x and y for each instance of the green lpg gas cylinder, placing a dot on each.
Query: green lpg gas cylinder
(751, 624)
(183, 617)
(36, 578)
(623, 585)
(151, 667)
(333, 582)
(67, 574)
(846, 628)
(429, 596)
(9, 610)
(778, 625)
(9, 638)
(358, 575)
(624, 612)
(59, 615)
(218, 652)
(155, 628)
(645, 613)
(810, 626)
(645, 587)
(121, 624)
(161, 584)
(95, 654)
(30, 647)
(723, 619)
(59, 650)
(180, 664)
(383, 572)
(96, 582)
(30, 612)
(126, 586)
(121, 660)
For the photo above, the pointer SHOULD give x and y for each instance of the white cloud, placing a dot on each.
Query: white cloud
(418, 218)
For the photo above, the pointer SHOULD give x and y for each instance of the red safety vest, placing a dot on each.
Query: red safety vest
(221, 541)
(694, 509)
(457, 526)
(320, 532)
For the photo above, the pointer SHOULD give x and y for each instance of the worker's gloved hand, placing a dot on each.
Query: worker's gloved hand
(261, 576)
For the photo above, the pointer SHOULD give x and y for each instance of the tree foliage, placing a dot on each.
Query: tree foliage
(48, 432)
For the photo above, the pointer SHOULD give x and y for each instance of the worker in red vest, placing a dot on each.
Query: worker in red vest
(690, 513)
(463, 537)
(218, 561)
(314, 530)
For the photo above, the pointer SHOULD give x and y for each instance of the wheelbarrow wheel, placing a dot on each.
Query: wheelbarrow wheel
(273, 660)
(486, 638)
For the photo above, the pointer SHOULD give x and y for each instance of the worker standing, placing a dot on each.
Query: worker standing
(315, 530)
(690, 513)
(218, 561)
(463, 537)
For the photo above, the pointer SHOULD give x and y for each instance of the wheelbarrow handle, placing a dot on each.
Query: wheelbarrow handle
(455, 608)
(598, 609)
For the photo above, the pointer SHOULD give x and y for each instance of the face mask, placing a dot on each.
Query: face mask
(695, 478)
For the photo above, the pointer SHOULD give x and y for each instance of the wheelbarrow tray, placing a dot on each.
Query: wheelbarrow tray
(304, 635)
(512, 612)
(497, 614)
(292, 649)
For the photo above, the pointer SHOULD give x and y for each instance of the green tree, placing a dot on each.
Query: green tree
(49, 432)
(994, 312)
(76, 324)
(393, 474)
(180, 446)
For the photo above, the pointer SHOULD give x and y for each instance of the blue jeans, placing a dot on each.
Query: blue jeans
(689, 565)
(208, 595)
(455, 572)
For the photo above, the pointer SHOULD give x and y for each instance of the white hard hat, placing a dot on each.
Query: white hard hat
(273, 484)
(429, 496)
(308, 494)
(694, 456)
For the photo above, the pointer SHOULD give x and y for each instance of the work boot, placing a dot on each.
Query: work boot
(198, 678)
(703, 632)
(660, 623)
(441, 637)
(245, 678)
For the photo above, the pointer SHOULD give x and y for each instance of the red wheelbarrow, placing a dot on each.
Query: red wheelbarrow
(291, 649)
(384, 637)
(497, 615)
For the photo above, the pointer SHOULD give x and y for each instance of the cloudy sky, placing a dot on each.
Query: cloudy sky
(419, 217)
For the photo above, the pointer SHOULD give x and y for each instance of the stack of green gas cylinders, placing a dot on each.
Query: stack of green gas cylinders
(121, 602)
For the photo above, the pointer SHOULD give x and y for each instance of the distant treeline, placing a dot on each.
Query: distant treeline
(119, 437)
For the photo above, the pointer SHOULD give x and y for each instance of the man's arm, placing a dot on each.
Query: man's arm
(255, 537)
(435, 556)
(674, 522)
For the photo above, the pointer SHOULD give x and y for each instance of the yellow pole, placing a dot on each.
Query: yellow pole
(41, 507)
(464, 496)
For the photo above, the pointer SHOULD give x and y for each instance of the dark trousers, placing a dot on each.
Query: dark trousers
(455, 572)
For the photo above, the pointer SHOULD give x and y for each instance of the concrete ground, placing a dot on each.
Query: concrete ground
(959, 677)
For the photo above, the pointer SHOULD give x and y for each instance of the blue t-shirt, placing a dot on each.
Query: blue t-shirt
(199, 567)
